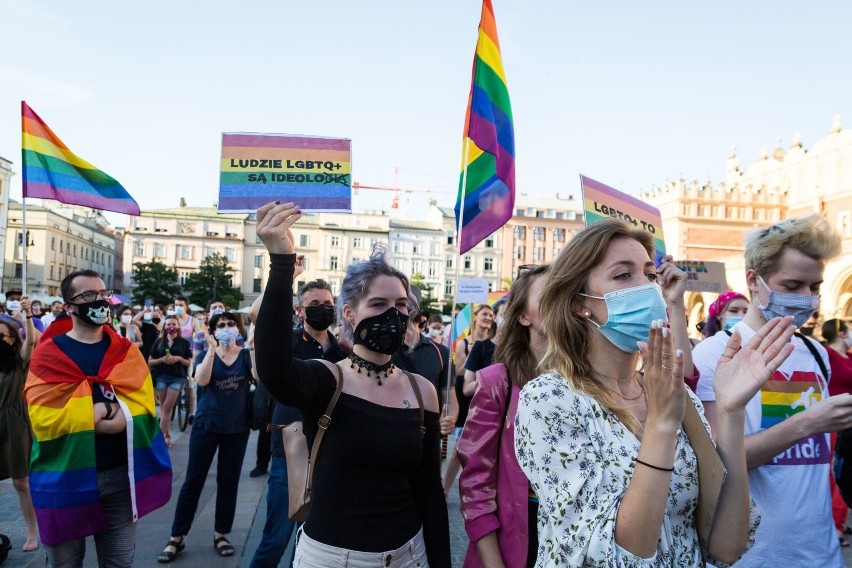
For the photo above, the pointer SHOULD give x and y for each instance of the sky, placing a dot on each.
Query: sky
(629, 93)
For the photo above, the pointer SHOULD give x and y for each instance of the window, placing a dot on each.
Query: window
(560, 215)
(75, 250)
(449, 263)
(558, 235)
(433, 269)
(844, 224)
(451, 237)
(61, 246)
(304, 264)
(539, 214)
(539, 233)
(258, 261)
(52, 245)
(332, 263)
(209, 251)
(303, 240)
(159, 250)
(257, 240)
(183, 277)
(538, 254)
(520, 233)
(489, 242)
(335, 241)
(355, 260)
(109, 258)
(467, 263)
(519, 252)
(448, 287)
(140, 249)
(416, 247)
(256, 285)
(51, 271)
(397, 247)
(19, 271)
(186, 253)
(373, 242)
(417, 267)
(488, 264)
(433, 249)
(519, 212)
(230, 254)
(356, 242)
(556, 252)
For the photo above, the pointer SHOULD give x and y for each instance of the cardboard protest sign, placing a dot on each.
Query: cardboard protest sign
(312, 172)
(704, 276)
(602, 202)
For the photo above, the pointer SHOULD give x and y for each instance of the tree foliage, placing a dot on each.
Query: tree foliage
(427, 301)
(155, 280)
(213, 279)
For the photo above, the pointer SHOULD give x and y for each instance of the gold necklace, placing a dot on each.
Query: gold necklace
(641, 392)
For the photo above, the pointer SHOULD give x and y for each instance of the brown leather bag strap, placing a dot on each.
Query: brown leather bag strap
(419, 396)
(324, 422)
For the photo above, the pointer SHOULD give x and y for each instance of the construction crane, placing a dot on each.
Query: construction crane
(356, 186)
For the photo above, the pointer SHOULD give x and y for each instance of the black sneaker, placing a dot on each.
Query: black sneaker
(257, 472)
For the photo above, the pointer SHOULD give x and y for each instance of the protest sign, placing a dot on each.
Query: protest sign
(312, 172)
(704, 276)
(472, 291)
(602, 202)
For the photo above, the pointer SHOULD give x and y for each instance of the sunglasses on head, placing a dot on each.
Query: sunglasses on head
(224, 324)
(524, 268)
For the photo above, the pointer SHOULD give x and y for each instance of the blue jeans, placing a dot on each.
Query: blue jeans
(278, 527)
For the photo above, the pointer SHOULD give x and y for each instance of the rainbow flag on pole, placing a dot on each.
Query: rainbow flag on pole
(487, 184)
(52, 171)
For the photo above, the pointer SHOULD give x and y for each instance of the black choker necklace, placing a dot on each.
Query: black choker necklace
(361, 363)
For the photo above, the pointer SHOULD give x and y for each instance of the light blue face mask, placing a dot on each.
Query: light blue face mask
(731, 321)
(782, 304)
(631, 312)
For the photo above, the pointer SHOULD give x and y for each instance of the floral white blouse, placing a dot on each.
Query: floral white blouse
(579, 458)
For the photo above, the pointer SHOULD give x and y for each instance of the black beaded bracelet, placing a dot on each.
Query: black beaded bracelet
(646, 464)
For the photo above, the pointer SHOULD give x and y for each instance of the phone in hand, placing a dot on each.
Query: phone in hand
(148, 302)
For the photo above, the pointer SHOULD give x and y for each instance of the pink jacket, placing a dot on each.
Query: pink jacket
(491, 469)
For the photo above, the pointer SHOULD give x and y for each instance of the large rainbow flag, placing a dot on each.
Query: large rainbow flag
(488, 155)
(63, 476)
(52, 171)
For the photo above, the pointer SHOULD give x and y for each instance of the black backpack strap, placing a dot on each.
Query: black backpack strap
(815, 353)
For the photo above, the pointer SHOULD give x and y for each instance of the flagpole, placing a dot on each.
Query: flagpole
(456, 288)
(24, 250)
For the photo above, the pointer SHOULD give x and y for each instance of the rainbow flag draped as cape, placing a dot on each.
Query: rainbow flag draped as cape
(488, 154)
(52, 171)
(63, 480)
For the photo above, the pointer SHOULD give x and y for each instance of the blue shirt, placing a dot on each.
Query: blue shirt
(222, 404)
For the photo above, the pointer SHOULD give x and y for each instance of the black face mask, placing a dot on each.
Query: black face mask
(383, 333)
(6, 351)
(93, 313)
(319, 317)
(809, 331)
(156, 320)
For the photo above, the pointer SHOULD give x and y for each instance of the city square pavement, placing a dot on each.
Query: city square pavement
(153, 530)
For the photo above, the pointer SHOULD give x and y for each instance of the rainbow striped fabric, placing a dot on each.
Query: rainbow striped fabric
(63, 480)
(488, 158)
(52, 171)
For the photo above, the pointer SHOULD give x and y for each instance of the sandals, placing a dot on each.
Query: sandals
(167, 556)
(225, 549)
(223, 546)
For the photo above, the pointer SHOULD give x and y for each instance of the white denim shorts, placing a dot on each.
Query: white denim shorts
(313, 554)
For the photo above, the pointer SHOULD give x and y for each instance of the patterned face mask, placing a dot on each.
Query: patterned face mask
(782, 304)
(630, 313)
(93, 313)
(383, 333)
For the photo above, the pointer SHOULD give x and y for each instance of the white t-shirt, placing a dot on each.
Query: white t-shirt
(792, 490)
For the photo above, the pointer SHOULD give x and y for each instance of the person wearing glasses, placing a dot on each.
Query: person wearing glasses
(91, 473)
(169, 360)
(220, 426)
(789, 419)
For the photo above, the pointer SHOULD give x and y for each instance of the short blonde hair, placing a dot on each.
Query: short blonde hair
(812, 236)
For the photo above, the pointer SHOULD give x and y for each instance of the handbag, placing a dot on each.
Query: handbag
(300, 465)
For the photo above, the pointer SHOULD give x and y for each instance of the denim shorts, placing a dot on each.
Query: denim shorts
(168, 382)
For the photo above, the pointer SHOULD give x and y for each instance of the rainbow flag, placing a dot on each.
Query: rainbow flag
(488, 157)
(52, 171)
(494, 297)
(63, 477)
(781, 398)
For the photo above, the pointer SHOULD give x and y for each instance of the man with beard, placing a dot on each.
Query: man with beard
(86, 383)
(311, 340)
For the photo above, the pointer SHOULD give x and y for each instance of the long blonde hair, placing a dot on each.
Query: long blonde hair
(567, 332)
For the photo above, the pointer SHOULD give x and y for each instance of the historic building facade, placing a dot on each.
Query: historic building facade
(702, 221)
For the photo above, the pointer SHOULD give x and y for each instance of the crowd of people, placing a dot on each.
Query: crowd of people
(569, 403)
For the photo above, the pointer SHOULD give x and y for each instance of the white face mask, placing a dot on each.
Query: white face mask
(126, 319)
(436, 332)
(848, 341)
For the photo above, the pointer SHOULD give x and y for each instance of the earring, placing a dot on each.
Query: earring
(587, 313)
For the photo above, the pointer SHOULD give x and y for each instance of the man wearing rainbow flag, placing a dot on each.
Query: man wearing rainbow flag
(99, 460)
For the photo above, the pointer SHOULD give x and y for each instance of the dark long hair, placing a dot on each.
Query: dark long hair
(12, 330)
